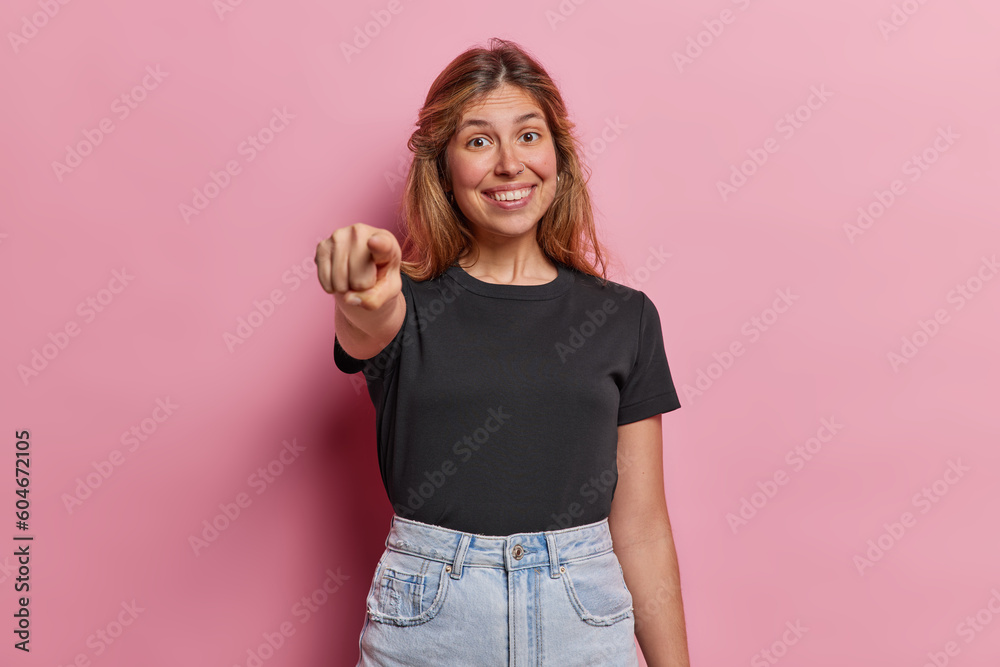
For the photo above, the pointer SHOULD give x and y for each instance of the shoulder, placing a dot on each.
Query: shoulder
(611, 294)
(442, 286)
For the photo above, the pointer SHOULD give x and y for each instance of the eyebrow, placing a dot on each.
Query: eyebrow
(477, 122)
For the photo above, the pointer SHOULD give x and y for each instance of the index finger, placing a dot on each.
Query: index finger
(383, 249)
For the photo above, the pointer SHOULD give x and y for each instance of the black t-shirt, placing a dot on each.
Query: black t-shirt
(497, 406)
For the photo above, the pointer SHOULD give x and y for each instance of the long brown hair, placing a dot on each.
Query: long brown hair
(436, 236)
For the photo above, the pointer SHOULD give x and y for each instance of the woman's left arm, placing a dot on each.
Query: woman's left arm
(644, 542)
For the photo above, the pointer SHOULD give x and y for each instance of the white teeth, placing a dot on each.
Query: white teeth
(512, 195)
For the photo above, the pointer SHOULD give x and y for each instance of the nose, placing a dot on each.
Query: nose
(508, 163)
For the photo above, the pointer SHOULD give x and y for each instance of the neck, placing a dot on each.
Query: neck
(523, 264)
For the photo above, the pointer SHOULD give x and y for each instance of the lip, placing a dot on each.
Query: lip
(508, 187)
(511, 205)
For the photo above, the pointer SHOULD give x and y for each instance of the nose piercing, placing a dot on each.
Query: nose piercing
(522, 169)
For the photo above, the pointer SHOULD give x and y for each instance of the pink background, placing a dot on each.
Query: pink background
(662, 136)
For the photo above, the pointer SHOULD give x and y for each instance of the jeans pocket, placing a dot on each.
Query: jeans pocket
(407, 589)
(596, 589)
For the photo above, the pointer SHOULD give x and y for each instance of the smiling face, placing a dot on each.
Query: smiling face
(497, 138)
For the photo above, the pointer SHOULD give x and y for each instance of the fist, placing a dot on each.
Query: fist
(359, 265)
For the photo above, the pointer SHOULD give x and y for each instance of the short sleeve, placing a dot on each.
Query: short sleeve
(649, 389)
(344, 361)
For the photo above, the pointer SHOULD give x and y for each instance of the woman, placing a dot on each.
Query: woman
(518, 396)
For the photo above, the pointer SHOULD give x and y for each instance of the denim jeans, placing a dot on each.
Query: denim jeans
(442, 598)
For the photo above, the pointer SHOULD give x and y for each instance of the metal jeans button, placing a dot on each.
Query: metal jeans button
(518, 552)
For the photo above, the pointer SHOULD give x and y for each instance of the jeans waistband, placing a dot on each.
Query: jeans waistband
(510, 552)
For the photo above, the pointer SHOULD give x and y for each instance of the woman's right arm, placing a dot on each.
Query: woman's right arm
(359, 265)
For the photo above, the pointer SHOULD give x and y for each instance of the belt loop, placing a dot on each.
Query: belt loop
(392, 524)
(463, 546)
(550, 539)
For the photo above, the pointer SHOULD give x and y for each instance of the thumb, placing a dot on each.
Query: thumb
(377, 295)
